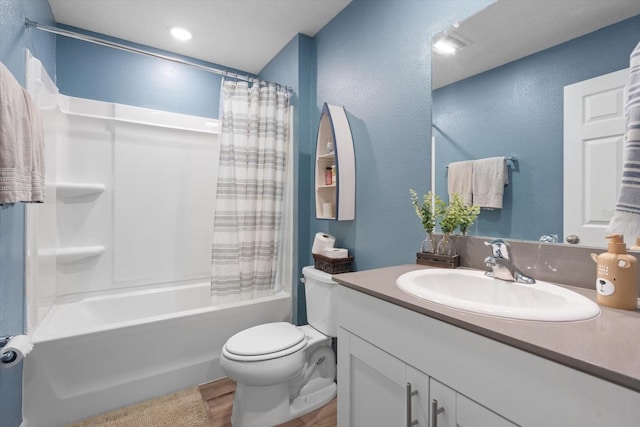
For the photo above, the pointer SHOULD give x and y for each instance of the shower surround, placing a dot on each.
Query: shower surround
(118, 259)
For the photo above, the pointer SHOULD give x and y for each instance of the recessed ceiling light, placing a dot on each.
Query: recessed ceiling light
(180, 34)
(444, 47)
(448, 43)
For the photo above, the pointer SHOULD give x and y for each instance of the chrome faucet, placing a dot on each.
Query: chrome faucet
(500, 264)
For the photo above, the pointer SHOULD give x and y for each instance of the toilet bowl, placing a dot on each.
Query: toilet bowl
(284, 371)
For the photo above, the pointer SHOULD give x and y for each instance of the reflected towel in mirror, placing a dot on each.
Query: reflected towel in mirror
(489, 178)
(459, 180)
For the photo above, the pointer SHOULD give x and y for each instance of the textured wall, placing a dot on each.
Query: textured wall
(14, 38)
(294, 66)
(374, 59)
(524, 101)
(97, 72)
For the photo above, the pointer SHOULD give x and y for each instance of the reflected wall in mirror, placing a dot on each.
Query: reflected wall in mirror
(502, 95)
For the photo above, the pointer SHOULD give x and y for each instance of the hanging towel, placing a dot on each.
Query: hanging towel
(21, 143)
(459, 180)
(626, 218)
(489, 178)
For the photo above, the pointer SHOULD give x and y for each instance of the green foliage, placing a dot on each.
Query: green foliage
(449, 216)
(468, 215)
(424, 210)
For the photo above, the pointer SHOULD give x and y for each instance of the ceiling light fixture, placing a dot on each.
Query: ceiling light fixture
(180, 34)
(448, 43)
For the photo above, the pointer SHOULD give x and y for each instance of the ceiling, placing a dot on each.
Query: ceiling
(240, 34)
(512, 29)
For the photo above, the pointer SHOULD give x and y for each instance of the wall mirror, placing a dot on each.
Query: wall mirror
(501, 94)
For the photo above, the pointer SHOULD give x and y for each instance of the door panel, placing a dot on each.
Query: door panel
(594, 130)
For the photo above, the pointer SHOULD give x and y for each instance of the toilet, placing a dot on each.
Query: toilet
(283, 371)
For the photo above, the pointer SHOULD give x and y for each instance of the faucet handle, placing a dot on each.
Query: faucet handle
(499, 248)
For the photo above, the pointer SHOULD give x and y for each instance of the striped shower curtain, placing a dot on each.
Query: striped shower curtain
(251, 183)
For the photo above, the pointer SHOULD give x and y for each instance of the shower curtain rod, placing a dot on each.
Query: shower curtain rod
(91, 39)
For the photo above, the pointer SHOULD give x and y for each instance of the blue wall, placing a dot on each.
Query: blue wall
(524, 99)
(14, 38)
(87, 70)
(374, 59)
(295, 66)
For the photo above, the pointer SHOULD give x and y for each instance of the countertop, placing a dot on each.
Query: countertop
(607, 346)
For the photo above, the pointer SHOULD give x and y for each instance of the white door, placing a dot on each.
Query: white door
(594, 130)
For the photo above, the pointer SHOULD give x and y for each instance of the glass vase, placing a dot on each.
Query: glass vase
(427, 244)
(446, 246)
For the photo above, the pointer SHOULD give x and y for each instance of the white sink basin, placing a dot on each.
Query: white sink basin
(471, 290)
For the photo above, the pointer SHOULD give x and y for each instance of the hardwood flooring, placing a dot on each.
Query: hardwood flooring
(217, 397)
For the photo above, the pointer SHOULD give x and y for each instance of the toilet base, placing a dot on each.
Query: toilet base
(304, 404)
(256, 406)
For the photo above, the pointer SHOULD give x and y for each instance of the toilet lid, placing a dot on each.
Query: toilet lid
(269, 340)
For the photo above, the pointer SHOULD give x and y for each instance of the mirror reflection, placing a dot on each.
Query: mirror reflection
(503, 94)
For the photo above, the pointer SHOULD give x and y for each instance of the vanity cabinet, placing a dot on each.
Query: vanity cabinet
(335, 178)
(382, 390)
(480, 382)
(452, 409)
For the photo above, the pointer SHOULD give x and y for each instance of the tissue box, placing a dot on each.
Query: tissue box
(333, 265)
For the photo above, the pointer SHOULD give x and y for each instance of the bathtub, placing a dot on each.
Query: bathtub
(99, 353)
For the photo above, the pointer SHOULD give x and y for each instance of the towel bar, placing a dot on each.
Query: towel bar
(512, 159)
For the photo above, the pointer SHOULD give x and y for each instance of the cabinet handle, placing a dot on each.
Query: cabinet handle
(410, 394)
(434, 412)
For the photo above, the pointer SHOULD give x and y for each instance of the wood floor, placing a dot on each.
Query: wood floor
(218, 401)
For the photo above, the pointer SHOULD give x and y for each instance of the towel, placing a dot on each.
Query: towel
(626, 217)
(21, 143)
(459, 180)
(489, 178)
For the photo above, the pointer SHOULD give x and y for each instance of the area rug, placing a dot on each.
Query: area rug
(181, 409)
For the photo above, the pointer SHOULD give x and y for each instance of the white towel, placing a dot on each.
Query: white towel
(21, 144)
(459, 180)
(489, 178)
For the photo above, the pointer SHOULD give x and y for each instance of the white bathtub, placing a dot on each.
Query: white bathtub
(99, 353)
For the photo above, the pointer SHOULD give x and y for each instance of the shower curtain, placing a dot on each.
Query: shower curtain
(251, 184)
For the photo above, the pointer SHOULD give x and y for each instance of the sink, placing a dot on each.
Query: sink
(471, 290)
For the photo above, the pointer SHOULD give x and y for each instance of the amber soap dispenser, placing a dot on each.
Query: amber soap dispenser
(617, 273)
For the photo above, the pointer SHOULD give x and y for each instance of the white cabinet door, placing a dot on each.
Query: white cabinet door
(456, 410)
(373, 387)
(444, 399)
(594, 131)
(471, 414)
(419, 383)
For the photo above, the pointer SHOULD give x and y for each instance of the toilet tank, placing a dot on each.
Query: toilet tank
(321, 296)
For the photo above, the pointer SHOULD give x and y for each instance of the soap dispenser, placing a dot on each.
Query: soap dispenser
(617, 271)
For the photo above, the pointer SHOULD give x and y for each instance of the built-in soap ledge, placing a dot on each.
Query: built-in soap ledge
(78, 253)
(72, 189)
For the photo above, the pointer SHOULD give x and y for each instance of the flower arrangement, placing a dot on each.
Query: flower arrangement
(458, 215)
(425, 209)
(427, 212)
(451, 216)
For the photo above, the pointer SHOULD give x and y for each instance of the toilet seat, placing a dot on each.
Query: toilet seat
(264, 342)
